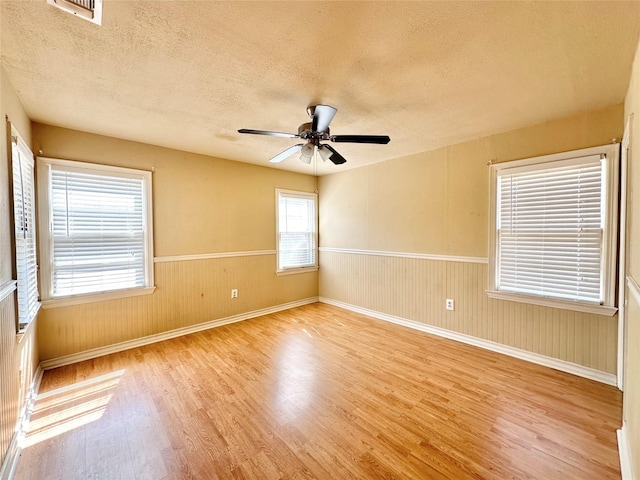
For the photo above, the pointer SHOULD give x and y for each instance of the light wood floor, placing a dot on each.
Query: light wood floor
(318, 392)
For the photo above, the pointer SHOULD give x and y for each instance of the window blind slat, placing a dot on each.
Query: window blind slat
(98, 232)
(296, 231)
(25, 231)
(550, 230)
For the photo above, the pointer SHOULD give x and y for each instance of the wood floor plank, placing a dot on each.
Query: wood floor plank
(318, 392)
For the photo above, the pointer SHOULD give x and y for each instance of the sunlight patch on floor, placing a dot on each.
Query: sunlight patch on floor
(67, 408)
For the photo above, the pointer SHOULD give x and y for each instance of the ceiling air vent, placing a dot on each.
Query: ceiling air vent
(88, 9)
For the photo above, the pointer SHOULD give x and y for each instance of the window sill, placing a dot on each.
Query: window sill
(24, 329)
(553, 303)
(96, 297)
(294, 271)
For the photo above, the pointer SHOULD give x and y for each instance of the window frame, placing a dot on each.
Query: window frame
(610, 231)
(307, 195)
(19, 148)
(46, 241)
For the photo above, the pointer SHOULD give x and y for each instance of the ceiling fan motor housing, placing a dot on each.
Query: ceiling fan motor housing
(305, 132)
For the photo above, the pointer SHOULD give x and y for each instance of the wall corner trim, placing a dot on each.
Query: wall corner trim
(160, 337)
(625, 454)
(10, 464)
(557, 364)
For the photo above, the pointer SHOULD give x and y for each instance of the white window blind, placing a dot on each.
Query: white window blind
(25, 230)
(550, 229)
(297, 233)
(98, 229)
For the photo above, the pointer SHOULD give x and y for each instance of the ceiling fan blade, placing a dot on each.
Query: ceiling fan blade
(379, 139)
(266, 132)
(322, 116)
(335, 157)
(287, 153)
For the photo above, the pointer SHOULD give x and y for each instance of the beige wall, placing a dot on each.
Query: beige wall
(13, 111)
(631, 409)
(201, 205)
(18, 355)
(437, 203)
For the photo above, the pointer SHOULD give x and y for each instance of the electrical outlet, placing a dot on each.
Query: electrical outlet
(234, 293)
(448, 304)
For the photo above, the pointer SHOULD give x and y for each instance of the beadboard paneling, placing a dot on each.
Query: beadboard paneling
(18, 363)
(8, 374)
(188, 292)
(416, 289)
(631, 410)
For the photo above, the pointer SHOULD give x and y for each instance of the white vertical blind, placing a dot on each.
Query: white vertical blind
(25, 230)
(550, 226)
(297, 245)
(97, 231)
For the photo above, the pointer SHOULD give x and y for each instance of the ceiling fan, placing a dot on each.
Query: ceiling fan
(314, 133)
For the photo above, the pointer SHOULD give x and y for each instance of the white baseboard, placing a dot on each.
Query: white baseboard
(178, 332)
(562, 365)
(10, 464)
(625, 454)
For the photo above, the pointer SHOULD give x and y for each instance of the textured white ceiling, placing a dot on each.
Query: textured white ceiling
(189, 74)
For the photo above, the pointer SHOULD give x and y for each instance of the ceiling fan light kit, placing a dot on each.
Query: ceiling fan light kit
(306, 154)
(315, 132)
(324, 152)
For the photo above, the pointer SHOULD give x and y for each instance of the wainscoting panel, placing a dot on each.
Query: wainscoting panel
(630, 433)
(18, 363)
(416, 289)
(9, 377)
(188, 292)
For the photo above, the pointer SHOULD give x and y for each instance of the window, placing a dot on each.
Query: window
(297, 221)
(97, 231)
(25, 230)
(554, 230)
(90, 10)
